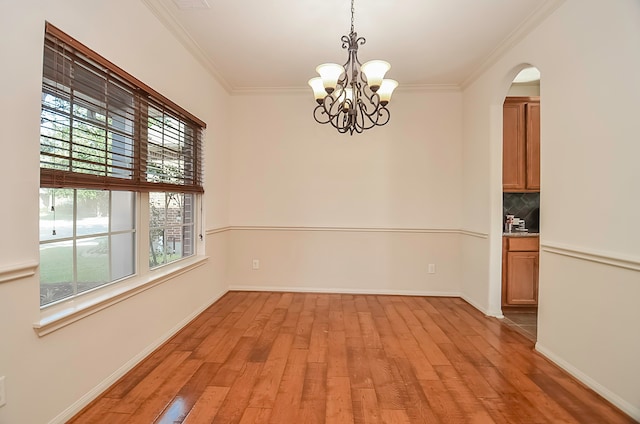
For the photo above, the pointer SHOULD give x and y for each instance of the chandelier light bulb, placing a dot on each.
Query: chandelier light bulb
(346, 98)
(374, 71)
(330, 73)
(386, 90)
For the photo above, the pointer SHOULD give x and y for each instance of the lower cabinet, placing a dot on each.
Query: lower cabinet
(520, 271)
(522, 278)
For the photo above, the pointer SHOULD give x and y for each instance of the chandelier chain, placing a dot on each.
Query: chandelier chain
(352, 13)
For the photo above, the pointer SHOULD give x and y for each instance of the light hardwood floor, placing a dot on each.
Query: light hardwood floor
(256, 357)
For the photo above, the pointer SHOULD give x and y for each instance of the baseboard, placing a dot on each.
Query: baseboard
(487, 312)
(298, 289)
(77, 406)
(626, 407)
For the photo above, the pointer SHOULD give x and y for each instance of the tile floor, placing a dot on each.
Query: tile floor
(525, 322)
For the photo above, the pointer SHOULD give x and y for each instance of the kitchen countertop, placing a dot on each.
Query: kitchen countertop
(520, 234)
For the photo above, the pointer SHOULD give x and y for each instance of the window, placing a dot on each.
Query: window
(171, 232)
(112, 150)
(86, 240)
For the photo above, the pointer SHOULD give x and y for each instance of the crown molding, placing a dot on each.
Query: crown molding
(429, 87)
(165, 16)
(167, 19)
(410, 88)
(534, 19)
(249, 91)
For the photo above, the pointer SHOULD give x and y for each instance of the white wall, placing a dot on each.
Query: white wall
(387, 262)
(46, 375)
(288, 171)
(590, 263)
(524, 89)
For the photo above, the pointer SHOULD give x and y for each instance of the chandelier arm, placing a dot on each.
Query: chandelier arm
(379, 116)
(341, 123)
(345, 41)
(372, 103)
(347, 120)
(360, 41)
(338, 117)
(383, 113)
(320, 115)
(360, 120)
(366, 120)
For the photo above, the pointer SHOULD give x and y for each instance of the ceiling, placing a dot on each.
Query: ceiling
(276, 44)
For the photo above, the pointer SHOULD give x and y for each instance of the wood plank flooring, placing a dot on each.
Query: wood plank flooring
(256, 357)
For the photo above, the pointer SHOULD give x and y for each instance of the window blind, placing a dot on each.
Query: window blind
(101, 128)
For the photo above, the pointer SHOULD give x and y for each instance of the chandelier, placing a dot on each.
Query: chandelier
(352, 97)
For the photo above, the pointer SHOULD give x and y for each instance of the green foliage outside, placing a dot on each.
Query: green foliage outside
(57, 266)
(56, 269)
(159, 252)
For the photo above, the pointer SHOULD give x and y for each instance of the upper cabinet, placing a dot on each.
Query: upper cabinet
(521, 144)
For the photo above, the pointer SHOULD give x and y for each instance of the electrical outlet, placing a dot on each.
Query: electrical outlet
(255, 264)
(3, 394)
(432, 269)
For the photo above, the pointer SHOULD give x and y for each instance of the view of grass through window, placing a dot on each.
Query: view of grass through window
(86, 240)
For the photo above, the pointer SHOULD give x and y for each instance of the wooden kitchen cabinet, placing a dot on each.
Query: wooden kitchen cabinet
(521, 144)
(520, 271)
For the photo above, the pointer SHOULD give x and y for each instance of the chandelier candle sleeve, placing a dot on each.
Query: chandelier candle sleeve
(386, 90)
(318, 89)
(374, 71)
(330, 73)
(352, 97)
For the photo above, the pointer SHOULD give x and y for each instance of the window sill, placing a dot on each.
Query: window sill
(65, 313)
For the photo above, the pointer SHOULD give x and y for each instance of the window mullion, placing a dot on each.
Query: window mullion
(74, 258)
(143, 233)
(167, 199)
(110, 237)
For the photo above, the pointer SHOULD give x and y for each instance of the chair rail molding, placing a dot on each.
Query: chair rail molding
(18, 271)
(606, 258)
(348, 229)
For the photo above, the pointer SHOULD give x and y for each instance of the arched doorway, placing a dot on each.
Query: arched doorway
(521, 201)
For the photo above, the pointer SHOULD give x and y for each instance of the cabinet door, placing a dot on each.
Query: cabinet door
(522, 278)
(505, 245)
(513, 147)
(533, 146)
